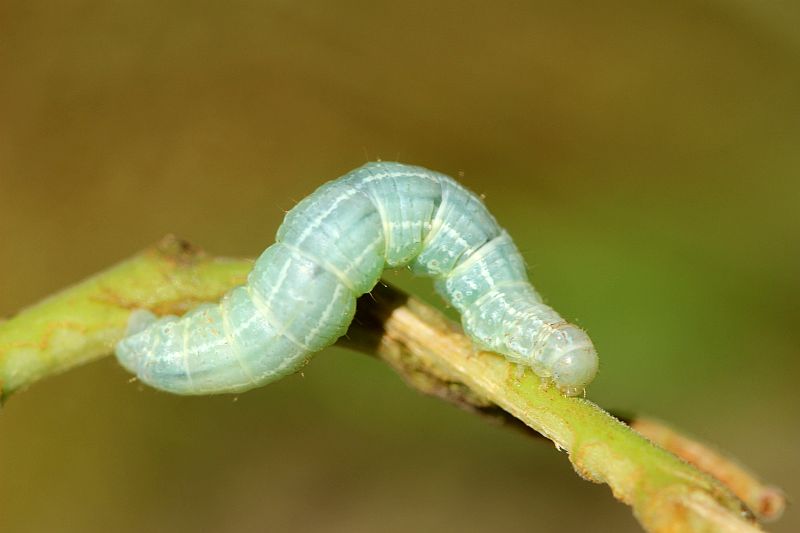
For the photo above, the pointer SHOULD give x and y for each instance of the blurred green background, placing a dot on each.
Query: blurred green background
(644, 155)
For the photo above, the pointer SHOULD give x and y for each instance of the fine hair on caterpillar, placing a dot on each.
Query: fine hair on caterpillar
(331, 248)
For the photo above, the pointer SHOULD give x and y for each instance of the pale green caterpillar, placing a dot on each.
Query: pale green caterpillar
(331, 248)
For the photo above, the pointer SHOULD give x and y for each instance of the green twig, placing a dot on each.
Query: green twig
(84, 322)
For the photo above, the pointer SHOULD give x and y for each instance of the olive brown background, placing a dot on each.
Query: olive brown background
(644, 155)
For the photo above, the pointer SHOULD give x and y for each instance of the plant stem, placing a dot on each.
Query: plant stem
(433, 355)
(84, 322)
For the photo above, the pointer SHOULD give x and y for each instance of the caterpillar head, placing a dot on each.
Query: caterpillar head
(571, 358)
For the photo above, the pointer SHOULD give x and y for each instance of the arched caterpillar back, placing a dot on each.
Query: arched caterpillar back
(331, 248)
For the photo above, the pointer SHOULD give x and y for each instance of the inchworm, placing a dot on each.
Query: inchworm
(331, 248)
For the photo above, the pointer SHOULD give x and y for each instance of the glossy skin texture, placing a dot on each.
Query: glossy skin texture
(331, 248)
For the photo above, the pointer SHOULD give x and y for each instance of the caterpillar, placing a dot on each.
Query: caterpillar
(331, 248)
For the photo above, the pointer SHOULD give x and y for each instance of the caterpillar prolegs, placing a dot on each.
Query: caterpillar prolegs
(331, 248)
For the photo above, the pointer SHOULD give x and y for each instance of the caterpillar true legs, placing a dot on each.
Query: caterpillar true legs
(331, 248)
